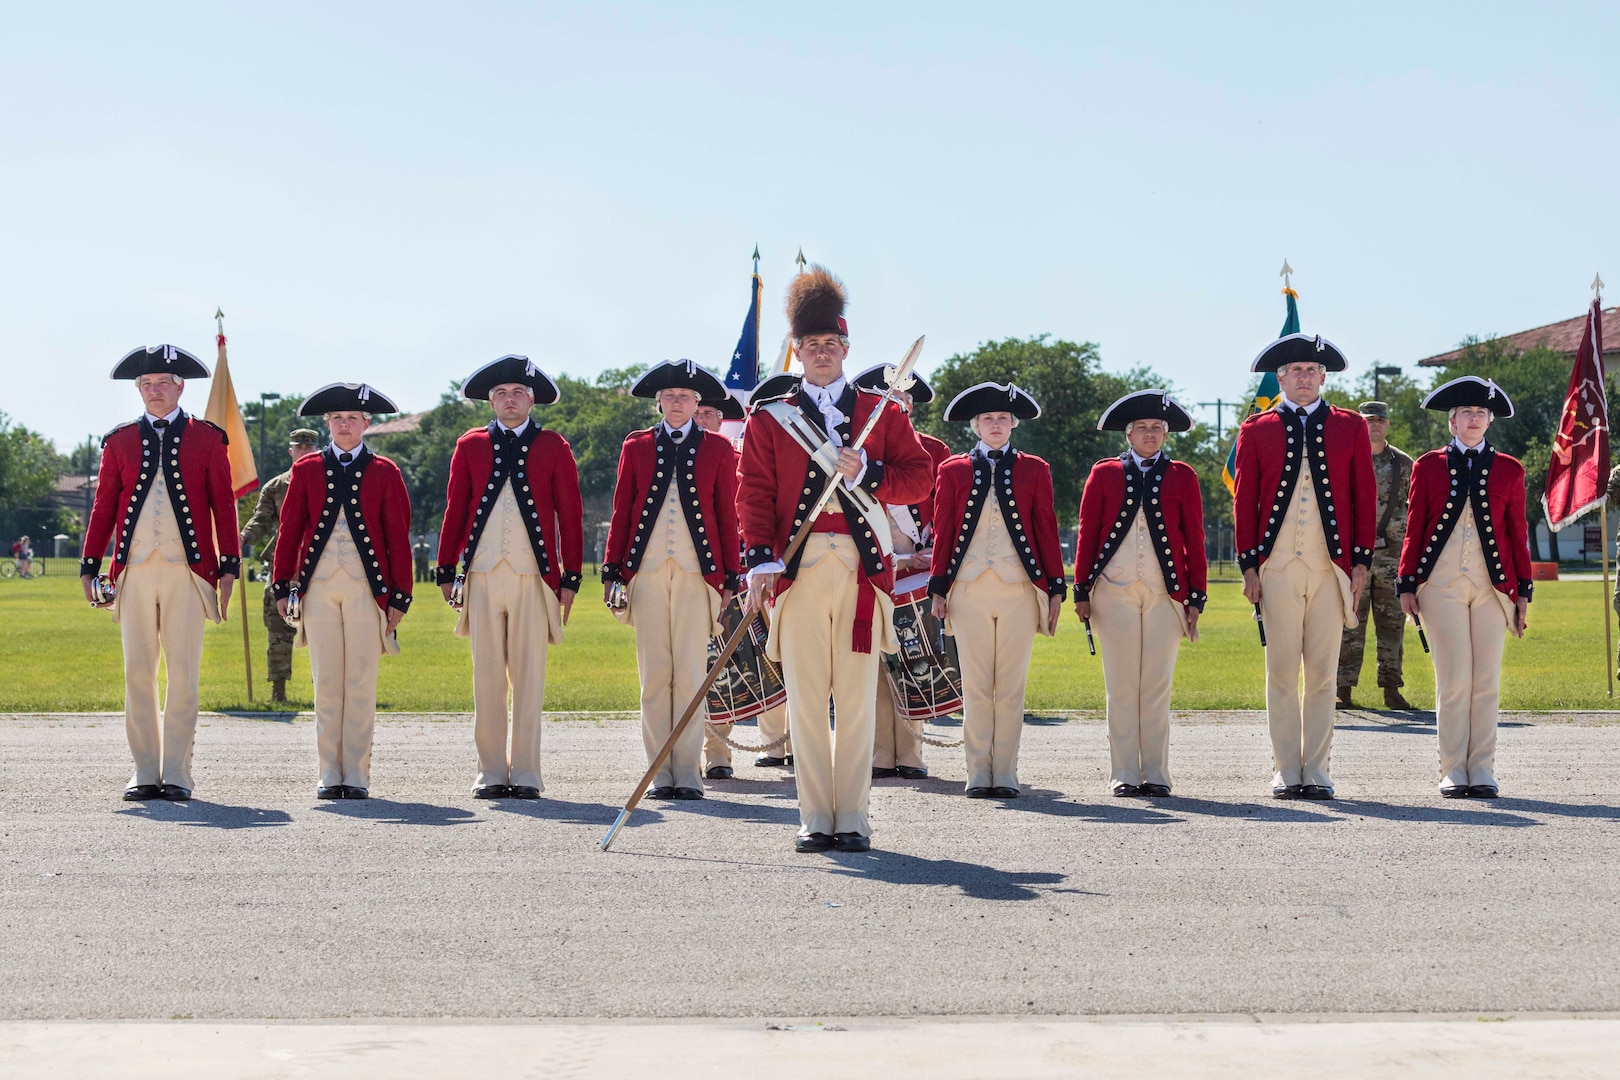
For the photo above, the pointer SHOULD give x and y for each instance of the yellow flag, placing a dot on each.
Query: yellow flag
(224, 411)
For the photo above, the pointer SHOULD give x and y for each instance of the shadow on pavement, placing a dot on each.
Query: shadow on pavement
(389, 812)
(207, 815)
(975, 880)
(1120, 812)
(1459, 813)
(1269, 810)
(574, 813)
(739, 811)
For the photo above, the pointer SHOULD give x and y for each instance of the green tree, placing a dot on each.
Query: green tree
(29, 466)
(1067, 379)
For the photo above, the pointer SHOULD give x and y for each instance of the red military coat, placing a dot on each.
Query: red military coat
(1169, 493)
(1022, 486)
(197, 471)
(369, 499)
(922, 511)
(1341, 470)
(541, 465)
(704, 469)
(1441, 483)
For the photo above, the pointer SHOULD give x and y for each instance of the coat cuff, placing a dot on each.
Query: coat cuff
(1196, 599)
(1361, 556)
(1057, 587)
(1526, 587)
(89, 567)
(230, 564)
(758, 555)
(444, 575)
(871, 477)
(1249, 560)
(939, 585)
(281, 590)
(1082, 591)
(612, 572)
(1406, 583)
(401, 600)
(570, 581)
(732, 583)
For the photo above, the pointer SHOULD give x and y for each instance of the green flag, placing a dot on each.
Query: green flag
(1265, 396)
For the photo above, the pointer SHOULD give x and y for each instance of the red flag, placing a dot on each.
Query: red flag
(1578, 474)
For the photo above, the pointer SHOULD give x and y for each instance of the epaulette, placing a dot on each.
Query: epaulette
(116, 430)
(224, 438)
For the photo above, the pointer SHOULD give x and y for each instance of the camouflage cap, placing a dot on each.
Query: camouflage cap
(303, 437)
(1375, 409)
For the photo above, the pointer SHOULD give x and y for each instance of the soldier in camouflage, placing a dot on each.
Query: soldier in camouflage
(260, 531)
(1394, 471)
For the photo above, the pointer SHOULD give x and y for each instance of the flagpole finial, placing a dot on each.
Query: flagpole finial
(756, 258)
(219, 316)
(800, 260)
(1597, 284)
(1285, 272)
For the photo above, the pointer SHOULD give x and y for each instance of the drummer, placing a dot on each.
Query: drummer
(673, 555)
(774, 730)
(1140, 572)
(896, 748)
(716, 751)
(993, 512)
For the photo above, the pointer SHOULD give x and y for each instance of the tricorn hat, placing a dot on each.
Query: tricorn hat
(680, 375)
(159, 360)
(872, 378)
(730, 408)
(510, 369)
(992, 397)
(815, 304)
(779, 385)
(1145, 405)
(1470, 390)
(346, 397)
(1299, 349)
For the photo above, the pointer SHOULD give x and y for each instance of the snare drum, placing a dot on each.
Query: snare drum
(925, 675)
(750, 683)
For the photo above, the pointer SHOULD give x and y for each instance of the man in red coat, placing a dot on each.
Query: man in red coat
(344, 545)
(164, 493)
(1140, 572)
(1465, 572)
(896, 747)
(997, 576)
(514, 519)
(830, 628)
(1305, 513)
(674, 557)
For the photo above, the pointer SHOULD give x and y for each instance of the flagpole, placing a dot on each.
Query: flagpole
(247, 644)
(1608, 609)
(759, 316)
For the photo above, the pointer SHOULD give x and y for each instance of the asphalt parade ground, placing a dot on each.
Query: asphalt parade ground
(1063, 929)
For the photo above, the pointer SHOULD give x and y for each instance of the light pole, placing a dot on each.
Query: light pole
(1387, 371)
(264, 401)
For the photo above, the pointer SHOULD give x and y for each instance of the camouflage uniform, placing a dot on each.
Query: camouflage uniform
(261, 532)
(1394, 471)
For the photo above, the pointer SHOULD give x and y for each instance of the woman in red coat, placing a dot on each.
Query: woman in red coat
(1465, 576)
(1140, 572)
(345, 546)
(996, 576)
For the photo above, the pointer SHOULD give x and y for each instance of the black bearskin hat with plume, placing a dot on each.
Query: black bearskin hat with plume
(815, 304)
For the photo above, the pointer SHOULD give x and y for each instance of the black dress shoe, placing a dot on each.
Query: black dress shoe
(522, 791)
(718, 772)
(980, 792)
(1319, 792)
(911, 772)
(766, 761)
(174, 792)
(352, 792)
(1006, 793)
(884, 774)
(490, 791)
(663, 791)
(852, 841)
(686, 794)
(816, 841)
(788, 760)
(142, 792)
(1482, 791)
(330, 791)
(1454, 791)
(1126, 791)
(1156, 791)
(1291, 791)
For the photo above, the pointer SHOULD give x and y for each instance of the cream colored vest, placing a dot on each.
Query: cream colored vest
(1134, 560)
(505, 539)
(156, 531)
(340, 556)
(669, 538)
(992, 549)
(1462, 557)
(1300, 533)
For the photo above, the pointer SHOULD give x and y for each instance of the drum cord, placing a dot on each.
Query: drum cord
(916, 729)
(760, 749)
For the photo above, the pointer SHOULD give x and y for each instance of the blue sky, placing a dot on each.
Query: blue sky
(399, 193)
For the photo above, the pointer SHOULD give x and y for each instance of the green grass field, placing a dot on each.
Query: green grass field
(62, 656)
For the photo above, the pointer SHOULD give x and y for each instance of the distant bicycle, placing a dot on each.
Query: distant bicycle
(11, 568)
